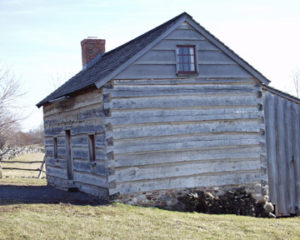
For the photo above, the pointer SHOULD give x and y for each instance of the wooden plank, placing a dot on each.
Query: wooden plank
(171, 44)
(281, 148)
(230, 153)
(169, 71)
(204, 180)
(184, 169)
(297, 155)
(158, 55)
(184, 101)
(184, 33)
(290, 187)
(213, 56)
(271, 146)
(184, 128)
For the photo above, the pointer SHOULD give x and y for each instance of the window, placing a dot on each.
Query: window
(186, 59)
(92, 148)
(55, 147)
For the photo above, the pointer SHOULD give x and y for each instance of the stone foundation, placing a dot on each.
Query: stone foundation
(225, 197)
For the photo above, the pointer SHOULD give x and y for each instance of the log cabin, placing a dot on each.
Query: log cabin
(168, 112)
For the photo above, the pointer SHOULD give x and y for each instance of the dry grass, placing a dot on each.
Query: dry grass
(23, 159)
(118, 221)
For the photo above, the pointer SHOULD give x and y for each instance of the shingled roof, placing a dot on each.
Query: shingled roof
(108, 62)
(102, 66)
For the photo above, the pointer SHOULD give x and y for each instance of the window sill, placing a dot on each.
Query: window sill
(192, 74)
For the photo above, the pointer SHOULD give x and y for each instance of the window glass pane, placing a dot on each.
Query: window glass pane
(180, 59)
(180, 50)
(192, 67)
(185, 59)
(180, 67)
(191, 51)
(185, 50)
(186, 67)
(191, 59)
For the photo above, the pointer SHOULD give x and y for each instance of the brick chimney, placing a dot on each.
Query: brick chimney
(90, 48)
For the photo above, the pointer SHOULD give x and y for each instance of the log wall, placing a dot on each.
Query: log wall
(186, 133)
(83, 115)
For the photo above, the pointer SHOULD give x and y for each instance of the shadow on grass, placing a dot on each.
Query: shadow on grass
(12, 194)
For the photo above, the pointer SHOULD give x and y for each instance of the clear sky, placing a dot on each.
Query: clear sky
(40, 39)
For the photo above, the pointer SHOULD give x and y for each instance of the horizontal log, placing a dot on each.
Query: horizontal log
(184, 143)
(183, 169)
(181, 115)
(91, 167)
(205, 180)
(184, 128)
(163, 90)
(229, 153)
(99, 192)
(56, 172)
(61, 163)
(183, 101)
(187, 81)
(91, 179)
(87, 129)
(86, 99)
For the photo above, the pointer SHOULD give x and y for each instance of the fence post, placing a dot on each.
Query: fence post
(42, 168)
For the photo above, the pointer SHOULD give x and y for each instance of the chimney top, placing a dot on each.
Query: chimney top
(90, 48)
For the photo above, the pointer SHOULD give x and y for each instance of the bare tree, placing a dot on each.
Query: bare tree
(296, 79)
(10, 91)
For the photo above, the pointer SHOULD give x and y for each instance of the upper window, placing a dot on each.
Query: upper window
(186, 59)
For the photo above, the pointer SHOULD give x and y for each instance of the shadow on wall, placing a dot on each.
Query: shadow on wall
(44, 194)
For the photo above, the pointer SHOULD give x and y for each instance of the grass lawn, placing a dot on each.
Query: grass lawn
(119, 221)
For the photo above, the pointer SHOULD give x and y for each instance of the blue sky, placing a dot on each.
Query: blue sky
(40, 40)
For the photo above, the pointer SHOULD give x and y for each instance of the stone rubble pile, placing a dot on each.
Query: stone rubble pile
(237, 202)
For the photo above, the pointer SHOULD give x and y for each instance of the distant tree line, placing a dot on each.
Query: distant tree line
(11, 114)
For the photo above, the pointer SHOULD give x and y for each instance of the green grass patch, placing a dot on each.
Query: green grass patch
(119, 221)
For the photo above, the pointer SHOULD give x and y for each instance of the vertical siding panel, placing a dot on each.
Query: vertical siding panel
(290, 183)
(297, 155)
(281, 161)
(271, 146)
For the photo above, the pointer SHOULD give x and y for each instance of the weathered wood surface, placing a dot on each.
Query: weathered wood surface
(282, 136)
(82, 115)
(174, 134)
